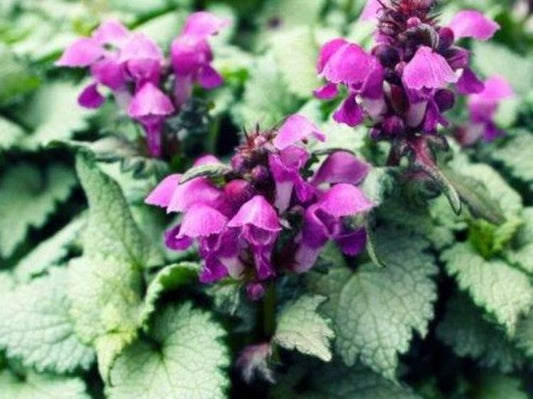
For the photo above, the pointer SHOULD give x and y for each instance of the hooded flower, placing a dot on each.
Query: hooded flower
(134, 69)
(245, 224)
(404, 85)
(483, 107)
(191, 55)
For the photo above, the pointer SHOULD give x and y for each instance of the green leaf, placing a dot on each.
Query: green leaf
(53, 113)
(335, 381)
(296, 52)
(210, 170)
(292, 13)
(50, 252)
(10, 134)
(266, 99)
(522, 253)
(497, 386)
(516, 156)
(183, 359)
(167, 279)
(35, 386)
(476, 196)
(470, 335)
(16, 78)
(301, 327)
(502, 290)
(106, 305)
(492, 59)
(111, 230)
(112, 149)
(27, 198)
(7, 283)
(401, 213)
(36, 327)
(377, 311)
(490, 239)
(524, 334)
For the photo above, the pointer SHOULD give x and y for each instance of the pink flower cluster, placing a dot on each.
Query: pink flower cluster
(482, 108)
(271, 213)
(410, 78)
(136, 71)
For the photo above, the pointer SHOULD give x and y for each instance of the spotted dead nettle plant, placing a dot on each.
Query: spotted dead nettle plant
(145, 83)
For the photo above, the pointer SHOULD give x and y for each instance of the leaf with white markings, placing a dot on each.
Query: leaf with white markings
(35, 326)
(183, 358)
(301, 327)
(501, 289)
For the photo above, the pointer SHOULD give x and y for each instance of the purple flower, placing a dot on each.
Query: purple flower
(404, 86)
(150, 106)
(324, 221)
(427, 69)
(483, 107)
(245, 224)
(134, 68)
(471, 23)
(191, 55)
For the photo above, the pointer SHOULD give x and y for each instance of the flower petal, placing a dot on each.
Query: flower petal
(327, 92)
(201, 221)
(195, 191)
(350, 112)
(296, 128)
(213, 270)
(469, 83)
(109, 72)
(370, 12)
(428, 69)
(496, 88)
(344, 200)
(341, 167)
(352, 243)
(327, 51)
(90, 97)
(471, 23)
(305, 258)
(349, 65)
(257, 212)
(174, 243)
(150, 101)
(203, 24)
(111, 31)
(82, 53)
(209, 78)
(162, 194)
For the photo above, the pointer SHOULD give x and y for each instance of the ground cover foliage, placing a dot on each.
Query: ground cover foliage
(93, 304)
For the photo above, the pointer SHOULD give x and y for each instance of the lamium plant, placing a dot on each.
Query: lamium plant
(147, 85)
(221, 200)
(408, 81)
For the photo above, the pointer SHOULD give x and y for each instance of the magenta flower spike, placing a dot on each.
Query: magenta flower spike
(136, 71)
(404, 86)
(245, 221)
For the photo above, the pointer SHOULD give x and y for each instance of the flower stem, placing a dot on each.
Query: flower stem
(269, 310)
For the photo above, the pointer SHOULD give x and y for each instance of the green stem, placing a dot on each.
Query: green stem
(269, 310)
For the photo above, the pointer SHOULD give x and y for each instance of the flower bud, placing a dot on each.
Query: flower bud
(260, 174)
(446, 38)
(394, 126)
(445, 99)
(387, 55)
(239, 191)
